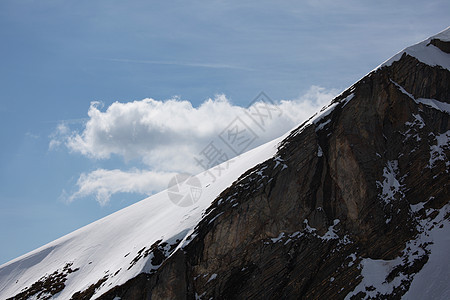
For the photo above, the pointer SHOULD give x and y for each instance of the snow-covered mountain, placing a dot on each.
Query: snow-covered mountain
(354, 203)
(108, 247)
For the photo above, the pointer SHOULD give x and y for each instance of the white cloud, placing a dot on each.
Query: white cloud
(167, 136)
(104, 183)
(58, 137)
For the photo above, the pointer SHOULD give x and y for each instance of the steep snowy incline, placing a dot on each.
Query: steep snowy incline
(110, 248)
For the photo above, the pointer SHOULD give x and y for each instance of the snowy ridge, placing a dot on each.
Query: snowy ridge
(425, 52)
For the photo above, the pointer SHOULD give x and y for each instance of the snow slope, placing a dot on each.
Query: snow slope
(109, 245)
(432, 282)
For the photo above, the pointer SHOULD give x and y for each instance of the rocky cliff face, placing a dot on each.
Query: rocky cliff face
(355, 192)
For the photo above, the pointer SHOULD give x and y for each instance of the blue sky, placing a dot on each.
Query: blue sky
(63, 158)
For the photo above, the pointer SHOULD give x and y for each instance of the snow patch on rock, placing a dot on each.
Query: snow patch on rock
(390, 186)
(381, 277)
(437, 152)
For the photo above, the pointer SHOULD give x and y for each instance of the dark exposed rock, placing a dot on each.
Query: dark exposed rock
(443, 45)
(87, 294)
(298, 226)
(47, 286)
(159, 250)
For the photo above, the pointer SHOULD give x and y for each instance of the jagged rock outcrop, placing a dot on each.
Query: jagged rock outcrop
(362, 183)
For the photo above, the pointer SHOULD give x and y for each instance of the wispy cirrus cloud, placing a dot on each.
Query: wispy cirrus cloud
(181, 63)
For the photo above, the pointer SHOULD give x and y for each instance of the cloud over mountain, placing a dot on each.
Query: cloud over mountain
(171, 136)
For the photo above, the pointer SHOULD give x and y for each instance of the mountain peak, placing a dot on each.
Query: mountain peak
(433, 51)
